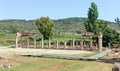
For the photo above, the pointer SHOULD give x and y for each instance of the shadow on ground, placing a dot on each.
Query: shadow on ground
(111, 61)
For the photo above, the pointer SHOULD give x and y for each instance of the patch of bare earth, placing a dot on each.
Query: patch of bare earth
(14, 59)
(58, 66)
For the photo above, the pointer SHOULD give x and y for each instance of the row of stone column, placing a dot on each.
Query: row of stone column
(35, 43)
(64, 46)
(28, 42)
(56, 45)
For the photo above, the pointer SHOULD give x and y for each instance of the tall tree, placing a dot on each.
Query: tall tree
(46, 27)
(101, 25)
(91, 25)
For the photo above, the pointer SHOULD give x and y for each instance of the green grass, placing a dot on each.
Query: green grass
(6, 39)
(49, 64)
(9, 39)
(66, 37)
(94, 53)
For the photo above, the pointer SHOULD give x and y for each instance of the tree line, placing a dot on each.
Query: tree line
(92, 24)
(95, 26)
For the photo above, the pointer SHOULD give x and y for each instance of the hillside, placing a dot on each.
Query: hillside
(17, 25)
(69, 25)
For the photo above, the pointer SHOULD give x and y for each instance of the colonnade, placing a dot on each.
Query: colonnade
(57, 43)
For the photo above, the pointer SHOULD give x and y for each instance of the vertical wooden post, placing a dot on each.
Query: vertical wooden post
(65, 47)
(28, 42)
(34, 41)
(49, 44)
(100, 41)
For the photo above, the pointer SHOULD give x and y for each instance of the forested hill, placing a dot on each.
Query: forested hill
(69, 25)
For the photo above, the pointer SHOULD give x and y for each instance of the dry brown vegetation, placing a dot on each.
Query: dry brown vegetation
(29, 63)
(22, 63)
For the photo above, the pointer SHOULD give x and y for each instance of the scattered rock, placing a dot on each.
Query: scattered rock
(5, 66)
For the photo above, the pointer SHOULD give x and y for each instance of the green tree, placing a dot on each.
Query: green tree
(110, 36)
(101, 25)
(117, 21)
(13, 29)
(91, 25)
(46, 27)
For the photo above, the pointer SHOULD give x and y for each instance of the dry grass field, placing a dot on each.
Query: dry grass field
(22, 63)
(35, 63)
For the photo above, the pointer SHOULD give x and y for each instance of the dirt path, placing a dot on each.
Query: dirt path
(45, 51)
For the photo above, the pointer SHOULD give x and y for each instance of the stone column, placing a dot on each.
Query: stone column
(109, 45)
(73, 43)
(34, 41)
(57, 44)
(96, 47)
(116, 67)
(28, 42)
(81, 44)
(71, 46)
(49, 44)
(76, 44)
(91, 42)
(42, 43)
(21, 44)
(100, 42)
(65, 45)
(16, 42)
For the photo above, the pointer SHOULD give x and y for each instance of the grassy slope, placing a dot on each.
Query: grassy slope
(7, 39)
(70, 25)
(48, 64)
